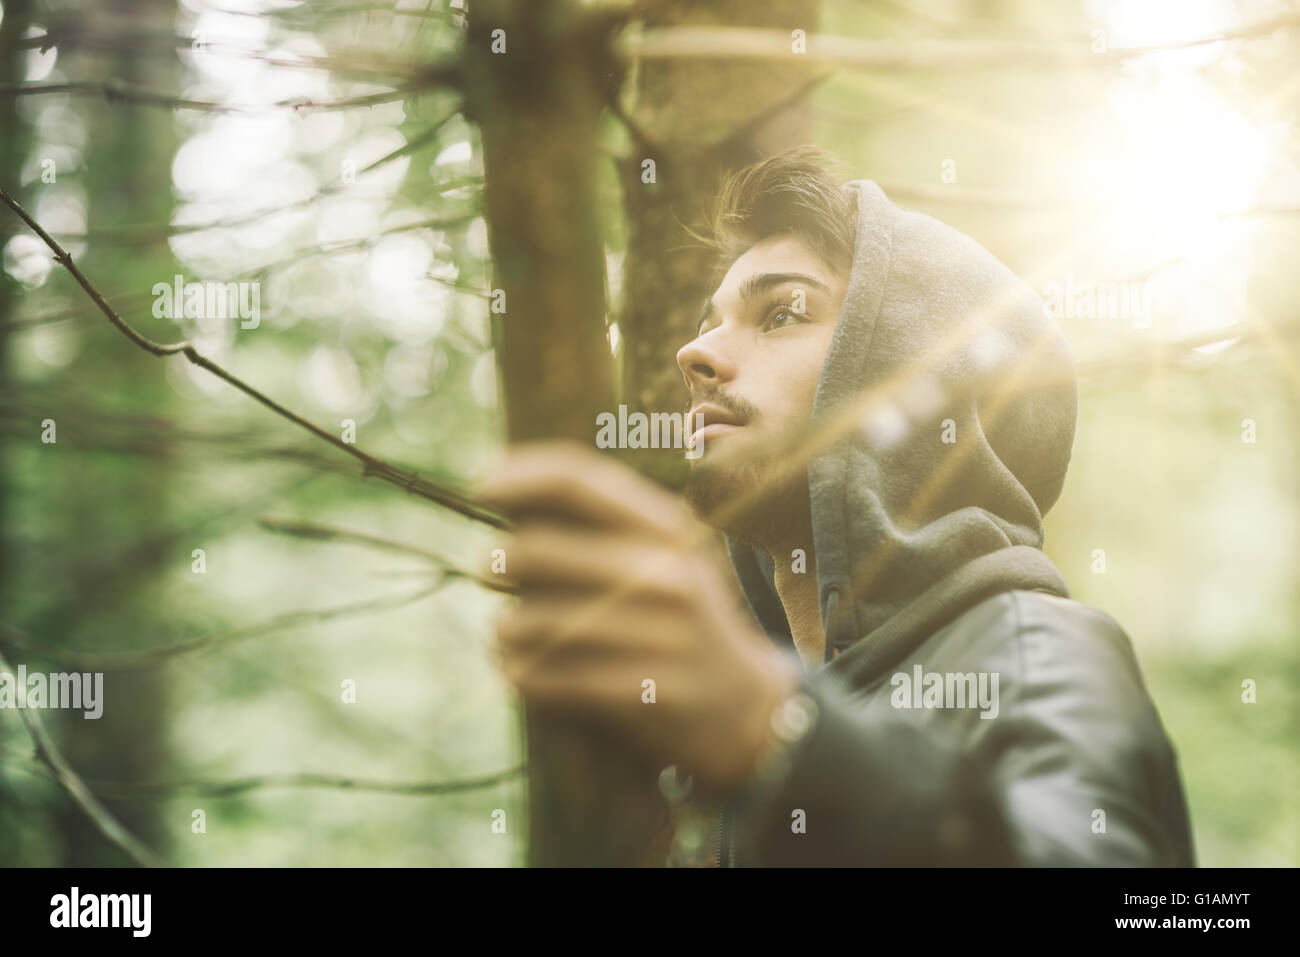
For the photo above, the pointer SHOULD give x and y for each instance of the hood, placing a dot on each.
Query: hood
(935, 500)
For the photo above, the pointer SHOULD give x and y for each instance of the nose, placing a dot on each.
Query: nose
(703, 362)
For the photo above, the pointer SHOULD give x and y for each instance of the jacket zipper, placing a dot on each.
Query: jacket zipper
(723, 843)
(717, 844)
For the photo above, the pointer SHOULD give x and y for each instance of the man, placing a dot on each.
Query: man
(886, 413)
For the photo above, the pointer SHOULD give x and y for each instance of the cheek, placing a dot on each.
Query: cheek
(809, 375)
(792, 378)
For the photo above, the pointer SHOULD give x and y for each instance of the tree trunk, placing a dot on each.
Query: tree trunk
(537, 104)
(127, 178)
(13, 147)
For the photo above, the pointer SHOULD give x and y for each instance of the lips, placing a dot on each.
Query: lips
(707, 420)
(711, 415)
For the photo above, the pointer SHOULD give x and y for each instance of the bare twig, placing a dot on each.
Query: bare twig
(75, 36)
(155, 657)
(143, 235)
(316, 13)
(1016, 199)
(372, 466)
(360, 242)
(333, 533)
(82, 796)
(115, 91)
(162, 789)
(459, 286)
(1180, 354)
(15, 423)
(151, 234)
(986, 196)
(74, 312)
(756, 43)
(97, 576)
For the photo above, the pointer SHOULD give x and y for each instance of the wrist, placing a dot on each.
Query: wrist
(785, 718)
(784, 715)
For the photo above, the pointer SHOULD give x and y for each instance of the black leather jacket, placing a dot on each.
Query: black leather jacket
(1069, 766)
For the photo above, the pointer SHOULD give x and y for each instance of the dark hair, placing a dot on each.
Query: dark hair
(795, 191)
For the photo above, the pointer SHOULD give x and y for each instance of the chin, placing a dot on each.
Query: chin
(725, 495)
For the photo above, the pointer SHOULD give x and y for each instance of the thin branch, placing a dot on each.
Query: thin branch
(96, 576)
(757, 43)
(16, 426)
(1015, 199)
(985, 196)
(93, 427)
(317, 13)
(73, 312)
(361, 242)
(459, 286)
(155, 657)
(1264, 209)
(372, 466)
(149, 235)
(145, 235)
(162, 789)
(1181, 354)
(333, 533)
(137, 43)
(82, 796)
(115, 91)
(745, 132)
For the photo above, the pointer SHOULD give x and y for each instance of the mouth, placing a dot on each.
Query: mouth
(708, 421)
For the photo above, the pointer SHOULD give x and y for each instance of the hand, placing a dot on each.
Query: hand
(616, 587)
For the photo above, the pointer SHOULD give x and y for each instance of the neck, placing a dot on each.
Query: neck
(797, 588)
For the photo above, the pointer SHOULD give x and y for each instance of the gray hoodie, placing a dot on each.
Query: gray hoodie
(927, 529)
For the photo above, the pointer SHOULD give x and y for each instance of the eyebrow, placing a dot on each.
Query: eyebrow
(760, 282)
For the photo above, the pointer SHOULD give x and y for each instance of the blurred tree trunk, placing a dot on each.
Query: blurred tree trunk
(127, 177)
(696, 120)
(591, 803)
(13, 147)
(538, 102)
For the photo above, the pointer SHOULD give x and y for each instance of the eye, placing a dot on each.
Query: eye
(780, 315)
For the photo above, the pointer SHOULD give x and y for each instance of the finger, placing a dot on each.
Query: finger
(569, 478)
(540, 650)
(539, 626)
(615, 700)
(555, 555)
(589, 683)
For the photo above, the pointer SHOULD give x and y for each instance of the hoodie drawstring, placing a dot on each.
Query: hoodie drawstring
(832, 623)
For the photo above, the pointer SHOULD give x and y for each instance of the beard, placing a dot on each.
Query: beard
(754, 497)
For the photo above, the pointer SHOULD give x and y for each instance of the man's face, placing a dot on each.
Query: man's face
(755, 366)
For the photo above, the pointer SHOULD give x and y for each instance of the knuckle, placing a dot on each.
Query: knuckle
(666, 575)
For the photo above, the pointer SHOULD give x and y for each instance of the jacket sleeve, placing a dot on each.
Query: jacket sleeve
(1083, 770)
(879, 793)
(1077, 735)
